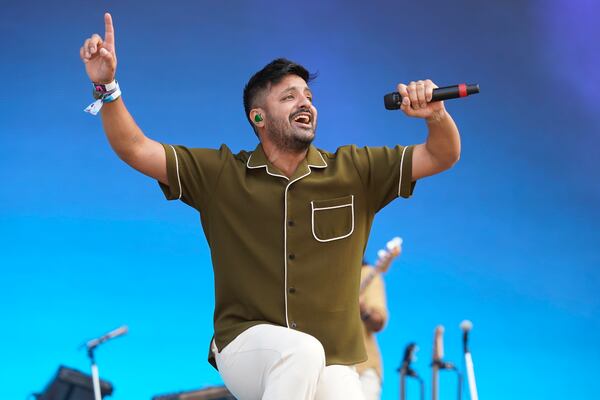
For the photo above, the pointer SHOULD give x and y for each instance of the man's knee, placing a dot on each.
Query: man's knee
(309, 353)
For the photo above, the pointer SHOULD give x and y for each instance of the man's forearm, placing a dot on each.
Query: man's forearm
(124, 135)
(443, 140)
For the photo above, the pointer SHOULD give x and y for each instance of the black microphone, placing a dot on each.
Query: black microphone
(466, 326)
(393, 101)
(409, 352)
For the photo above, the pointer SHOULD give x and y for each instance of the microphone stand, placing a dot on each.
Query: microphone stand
(471, 376)
(95, 374)
(438, 353)
(438, 364)
(405, 371)
(466, 326)
(91, 345)
(448, 366)
(403, 376)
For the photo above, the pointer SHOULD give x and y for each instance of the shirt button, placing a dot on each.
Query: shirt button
(293, 325)
(292, 290)
(292, 256)
(291, 223)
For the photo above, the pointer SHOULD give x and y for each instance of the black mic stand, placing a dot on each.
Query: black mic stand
(405, 370)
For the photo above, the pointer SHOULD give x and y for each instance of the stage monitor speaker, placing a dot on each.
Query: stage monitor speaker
(70, 384)
(209, 393)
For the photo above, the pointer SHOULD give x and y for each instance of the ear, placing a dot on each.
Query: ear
(257, 116)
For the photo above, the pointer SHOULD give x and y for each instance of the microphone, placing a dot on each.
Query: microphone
(438, 364)
(393, 100)
(438, 350)
(120, 331)
(466, 326)
(438, 343)
(405, 370)
(409, 353)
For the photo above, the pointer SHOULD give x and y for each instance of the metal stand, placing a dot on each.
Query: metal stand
(405, 370)
(435, 376)
(91, 346)
(95, 374)
(403, 376)
(447, 366)
(466, 327)
(471, 376)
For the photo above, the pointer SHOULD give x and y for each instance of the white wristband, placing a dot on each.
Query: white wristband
(112, 92)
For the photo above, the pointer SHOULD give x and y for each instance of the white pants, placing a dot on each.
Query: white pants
(371, 384)
(268, 362)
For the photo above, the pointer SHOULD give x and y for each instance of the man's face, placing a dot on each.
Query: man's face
(291, 118)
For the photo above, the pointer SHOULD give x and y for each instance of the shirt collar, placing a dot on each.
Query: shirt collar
(258, 159)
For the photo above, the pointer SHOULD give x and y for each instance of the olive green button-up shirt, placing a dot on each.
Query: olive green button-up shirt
(285, 251)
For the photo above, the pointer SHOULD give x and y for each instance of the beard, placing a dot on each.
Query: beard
(288, 137)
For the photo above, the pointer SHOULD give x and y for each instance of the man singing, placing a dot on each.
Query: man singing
(286, 319)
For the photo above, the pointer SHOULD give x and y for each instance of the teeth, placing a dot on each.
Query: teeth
(303, 118)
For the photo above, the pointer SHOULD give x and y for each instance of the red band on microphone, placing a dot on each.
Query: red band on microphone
(462, 90)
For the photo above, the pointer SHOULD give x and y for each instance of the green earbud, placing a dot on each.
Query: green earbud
(257, 118)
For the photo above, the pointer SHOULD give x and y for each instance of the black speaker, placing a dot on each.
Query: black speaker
(70, 384)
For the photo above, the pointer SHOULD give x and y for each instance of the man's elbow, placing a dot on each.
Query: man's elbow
(448, 161)
(378, 326)
(376, 322)
(455, 158)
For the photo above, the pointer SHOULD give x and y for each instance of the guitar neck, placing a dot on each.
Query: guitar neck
(379, 268)
(368, 279)
(383, 263)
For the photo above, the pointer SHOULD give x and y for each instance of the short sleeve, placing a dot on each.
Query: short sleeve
(386, 173)
(193, 173)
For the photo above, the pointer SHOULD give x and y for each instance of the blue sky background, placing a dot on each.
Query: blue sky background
(509, 238)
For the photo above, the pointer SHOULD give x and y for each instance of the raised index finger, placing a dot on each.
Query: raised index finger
(109, 32)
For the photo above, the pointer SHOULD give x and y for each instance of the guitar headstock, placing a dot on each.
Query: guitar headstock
(385, 257)
(394, 246)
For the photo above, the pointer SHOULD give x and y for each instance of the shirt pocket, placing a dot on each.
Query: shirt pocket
(332, 219)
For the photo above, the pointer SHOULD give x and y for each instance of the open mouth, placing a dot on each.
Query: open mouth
(303, 119)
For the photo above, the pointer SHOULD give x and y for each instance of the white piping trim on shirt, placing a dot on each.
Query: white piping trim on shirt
(177, 169)
(312, 204)
(266, 167)
(285, 218)
(319, 166)
(285, 255)
(281, 176)
(401, 164)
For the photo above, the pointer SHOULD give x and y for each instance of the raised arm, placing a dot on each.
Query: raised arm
(125, 137)
(441, 150)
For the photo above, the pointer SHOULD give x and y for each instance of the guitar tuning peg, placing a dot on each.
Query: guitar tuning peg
(394, 243)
